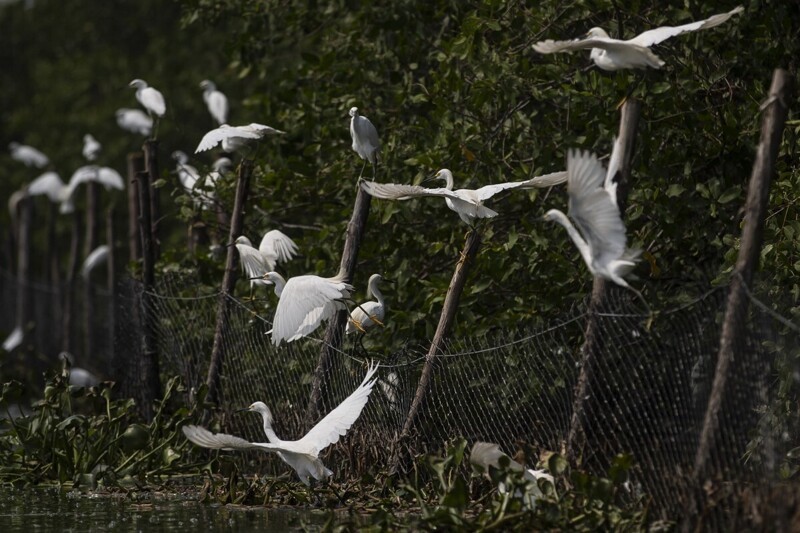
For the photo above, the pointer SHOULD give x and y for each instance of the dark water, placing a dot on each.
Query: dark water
(54, 510)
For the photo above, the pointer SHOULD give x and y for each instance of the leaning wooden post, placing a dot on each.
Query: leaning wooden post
(148, 370)
(335, 330)
(53, 270)
(228, 279)
(446, 319)
(69, 292)
(24, 221)
(111, 284)
(135, 165)
(90, 243)
(593, 340)
(150, 149)
(733, 325)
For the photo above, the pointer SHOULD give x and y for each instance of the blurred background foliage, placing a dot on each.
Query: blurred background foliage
(448, 84)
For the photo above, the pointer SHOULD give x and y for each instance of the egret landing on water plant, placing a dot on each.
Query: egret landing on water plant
(365, 141)
(302, 455)
(468, 203)
(614, 54)
(304, 302)
(600, 234)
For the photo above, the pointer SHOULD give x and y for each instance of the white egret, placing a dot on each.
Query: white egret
(150, 98)
(275, 247)
(91, 148)
(302, 455)
(614, 54)
(216, 101)
(97, 257)
(365, 140)
(468, 203)
(106, 176)
(48, 183)
(13, 340)
(28, 155)
(187, 174)
(593, 207)
(134, 121)
(486, 454)
(235, 137)
(366, 315)
(78, 377)
(304, 302)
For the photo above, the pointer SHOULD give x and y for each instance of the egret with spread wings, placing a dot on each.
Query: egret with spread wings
(234, 138)
(275, 247)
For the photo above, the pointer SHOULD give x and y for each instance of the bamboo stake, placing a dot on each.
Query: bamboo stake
(135, 165)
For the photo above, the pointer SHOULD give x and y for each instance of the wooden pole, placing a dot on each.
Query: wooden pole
(151, 164)
(89, 244)
(446, 319)
(112, 286)
(228, 279)
(335, 330)
(733, 325)
(24, 219)
(54, 274)
(593, 339)
(148, 376)
(135, 165)
(69, 290)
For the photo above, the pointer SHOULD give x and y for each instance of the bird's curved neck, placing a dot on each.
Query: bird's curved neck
(280, 283)
(580, 243)
(266, 417)
(448, 181)
(375, 291)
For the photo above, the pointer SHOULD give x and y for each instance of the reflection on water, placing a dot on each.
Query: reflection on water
(53, 510)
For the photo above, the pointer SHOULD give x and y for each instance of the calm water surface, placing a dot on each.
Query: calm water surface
(54, 510)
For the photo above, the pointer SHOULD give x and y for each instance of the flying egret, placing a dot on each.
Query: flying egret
(91, 148)
(615, 54)
(365, 140)
(97, 257)
(234, 137)
(600, 237)
(28, 155)
(302, 455)
(50, 184)
(275, 247)
(216, 101)
(366, 315)
(106, 176)
(78, 377)
(134, 121)
(486, 454)
(468, 203)
(304, 302)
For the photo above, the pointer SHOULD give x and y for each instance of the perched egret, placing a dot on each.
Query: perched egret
(593, 207)
(78, 377)
(275, 247)
(134, 121)
(220, 167)
(614, 54)
(151, 99)
(106, 176)
(302, 455)
(187, 174)
(486, 454)
(304, 302)
(97, 257)
(216, 101)
(365, 140)
(366, 315)
(28, 155)
(50, 184)
(468, 203)
(234, 137)
(91, 148)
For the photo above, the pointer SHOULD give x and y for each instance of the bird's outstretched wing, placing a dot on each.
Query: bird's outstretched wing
(252, 261)
(217, 135)
(336, 423)
(397, 191)
(551, 47)
(261, 129)
(220, 441)
(98, 256)
(48, 183)
(614, 166)
(591, 207)
(663, 33)
(110, 178)
(277, 246)
(304, 303)
(547, 180)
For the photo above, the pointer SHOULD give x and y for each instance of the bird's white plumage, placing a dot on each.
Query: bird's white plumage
(275, 247)
(488, 454)
(234, 137)
(468, 203)
(134, 121)
(614, 54)
(13, 340)
(28, 155)
(48, 183)
(365, 137)
(363, 315)
(106, 176)
(303, 454)
(601, 237)
(91, 148)
(304, 303)
(97, 257)
(78, 377)
(150, 98)
(216, 101)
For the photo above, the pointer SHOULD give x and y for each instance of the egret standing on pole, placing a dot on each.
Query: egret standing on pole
(216, 101)
(151, 99)
(365, 140)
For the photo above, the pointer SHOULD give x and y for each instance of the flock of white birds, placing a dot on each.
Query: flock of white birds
(593, 222)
